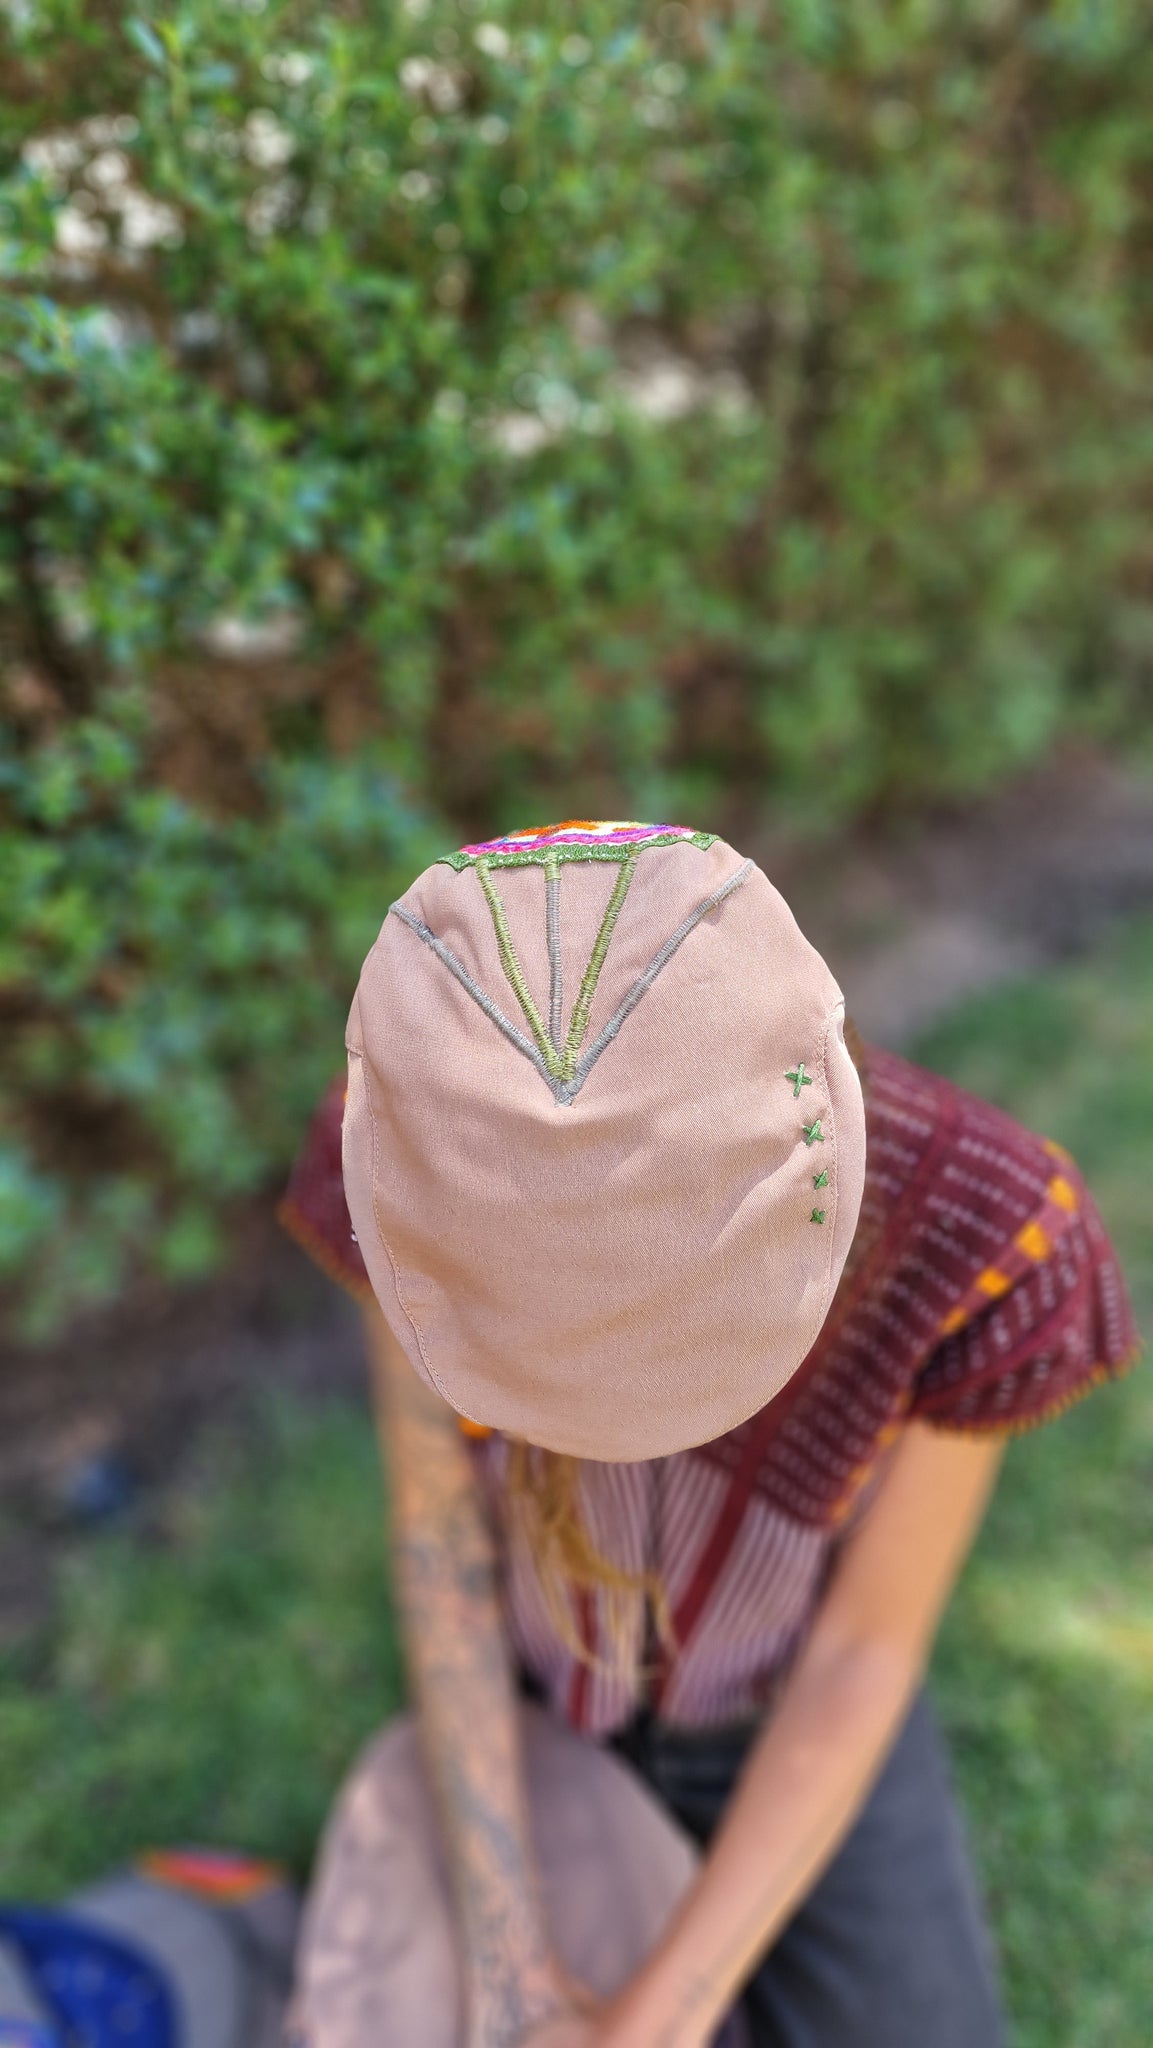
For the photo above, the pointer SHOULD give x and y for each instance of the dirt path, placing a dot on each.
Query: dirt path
(913, 922)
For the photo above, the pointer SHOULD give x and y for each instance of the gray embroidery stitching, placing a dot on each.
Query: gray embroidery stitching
(645, 981)
(565, 1091)
(457, 968)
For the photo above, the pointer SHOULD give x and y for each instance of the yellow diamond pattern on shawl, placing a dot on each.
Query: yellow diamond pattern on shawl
(1062, 1192)
(993, 1282)
(955, 1320)
(1033, 1241)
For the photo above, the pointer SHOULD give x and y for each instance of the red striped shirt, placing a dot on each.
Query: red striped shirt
(982, 1294)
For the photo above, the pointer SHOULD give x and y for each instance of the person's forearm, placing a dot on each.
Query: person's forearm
(801, 1788)
(811, 1769)
(467, 1713)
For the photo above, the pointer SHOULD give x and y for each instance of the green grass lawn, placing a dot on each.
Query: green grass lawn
(1044, 1671)
(212, 1682)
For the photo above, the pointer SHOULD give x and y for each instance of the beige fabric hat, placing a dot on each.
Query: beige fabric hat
(604, 1146)
(378, 1964)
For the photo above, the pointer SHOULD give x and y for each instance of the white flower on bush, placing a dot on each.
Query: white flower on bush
(253, 639)
(520, 433)
(76, 235)
(415, 73)
(492, 39)
(293, 68)
(145, 222)
(51, 155)
(417, 185)
(266, 141)
(438, 82)
(270, 208)
(108, 171)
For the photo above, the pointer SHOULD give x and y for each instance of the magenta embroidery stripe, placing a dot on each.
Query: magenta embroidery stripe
(579, 832)
(581, 839)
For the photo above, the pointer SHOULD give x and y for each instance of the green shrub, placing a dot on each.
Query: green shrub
(177, 985)
(433, 397)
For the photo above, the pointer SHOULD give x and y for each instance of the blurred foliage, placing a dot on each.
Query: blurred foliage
(209, 1675)
(431, 397)
(175, 986)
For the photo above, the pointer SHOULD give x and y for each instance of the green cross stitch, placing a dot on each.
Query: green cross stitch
(821, 1180)
(818, 1216)
(814, 1135)
(802, 1079)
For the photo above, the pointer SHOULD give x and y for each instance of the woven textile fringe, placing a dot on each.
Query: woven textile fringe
(1021, 1424)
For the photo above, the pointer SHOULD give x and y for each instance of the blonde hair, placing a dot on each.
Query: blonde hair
(544, 1494)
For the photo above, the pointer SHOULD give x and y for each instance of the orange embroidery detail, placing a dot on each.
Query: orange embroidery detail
(1062, 1192)
(955, 1320)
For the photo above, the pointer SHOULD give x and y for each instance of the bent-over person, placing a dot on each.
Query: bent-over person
(697, 1330)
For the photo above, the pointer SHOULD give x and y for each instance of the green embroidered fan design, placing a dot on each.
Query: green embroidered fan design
(565, 1062)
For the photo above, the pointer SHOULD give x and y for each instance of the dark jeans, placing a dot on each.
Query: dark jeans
(890, 1949)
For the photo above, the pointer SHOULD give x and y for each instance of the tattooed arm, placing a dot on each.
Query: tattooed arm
(465, 1701)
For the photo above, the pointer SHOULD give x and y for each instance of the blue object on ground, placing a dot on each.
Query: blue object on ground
(101, 1991)
(96, 1488)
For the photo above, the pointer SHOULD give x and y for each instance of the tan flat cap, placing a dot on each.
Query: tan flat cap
(604, 1145)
